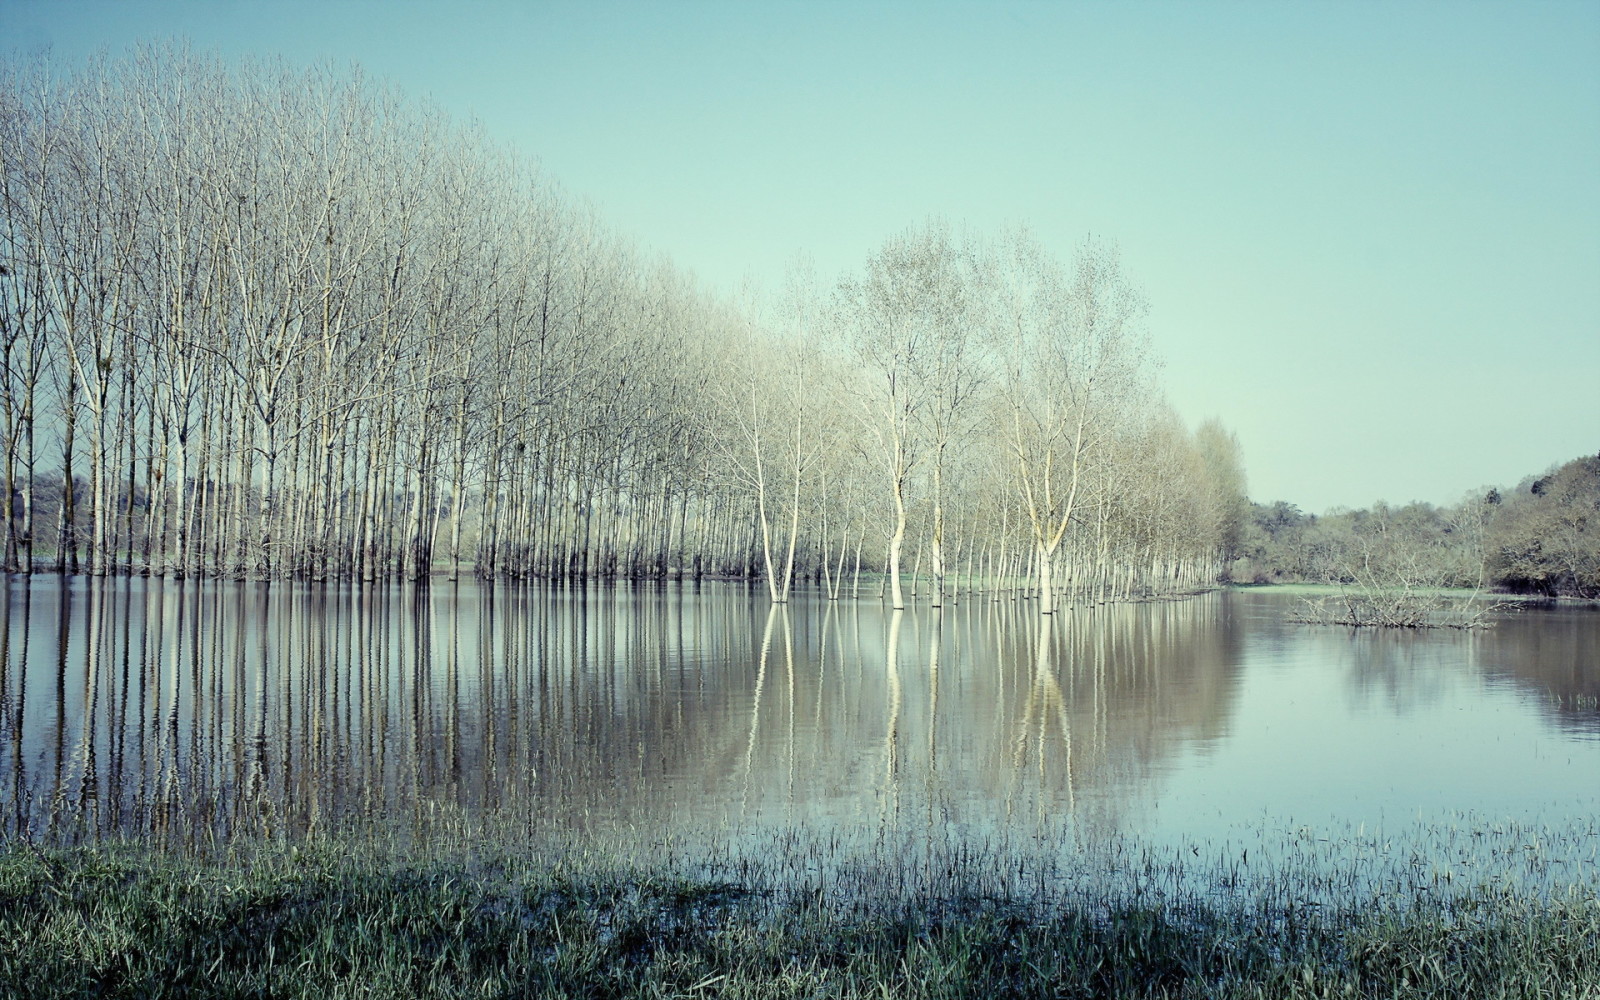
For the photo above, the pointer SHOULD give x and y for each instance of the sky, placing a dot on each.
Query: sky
(1369, 232)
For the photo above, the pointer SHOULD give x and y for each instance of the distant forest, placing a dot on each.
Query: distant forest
(1542, 537)
(265, 322)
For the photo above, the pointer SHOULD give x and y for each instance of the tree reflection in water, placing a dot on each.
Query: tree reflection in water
(202, 709)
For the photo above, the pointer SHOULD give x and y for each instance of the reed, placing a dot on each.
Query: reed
(797, 915)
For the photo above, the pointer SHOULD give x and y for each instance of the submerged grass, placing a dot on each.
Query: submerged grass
(796, 917)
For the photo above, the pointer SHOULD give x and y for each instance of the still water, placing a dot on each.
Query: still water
(213, 710)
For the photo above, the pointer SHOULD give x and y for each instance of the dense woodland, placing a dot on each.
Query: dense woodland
(1542, 537)
(265, 322)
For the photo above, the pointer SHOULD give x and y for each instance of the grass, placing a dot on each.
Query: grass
(794, 917)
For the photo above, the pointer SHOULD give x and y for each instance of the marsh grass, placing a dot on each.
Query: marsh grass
(1505, 912)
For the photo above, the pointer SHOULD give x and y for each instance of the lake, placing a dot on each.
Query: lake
(213, 710)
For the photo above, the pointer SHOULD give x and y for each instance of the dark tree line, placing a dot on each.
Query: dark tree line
(1541, 537)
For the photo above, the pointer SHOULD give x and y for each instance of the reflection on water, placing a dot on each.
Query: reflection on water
(150, 708)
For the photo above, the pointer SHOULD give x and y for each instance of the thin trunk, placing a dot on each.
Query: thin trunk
(66, 508)
(897, 598)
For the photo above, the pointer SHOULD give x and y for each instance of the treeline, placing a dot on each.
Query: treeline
(1542, 537)
(260, 321)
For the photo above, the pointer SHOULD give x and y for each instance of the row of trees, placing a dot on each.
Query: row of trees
(1541, 537)
(995, 406)
(264, 322)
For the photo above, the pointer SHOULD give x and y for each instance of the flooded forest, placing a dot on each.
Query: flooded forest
(261, 322)
(414, 587)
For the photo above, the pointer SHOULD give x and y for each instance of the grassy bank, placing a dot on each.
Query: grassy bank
(359, 918)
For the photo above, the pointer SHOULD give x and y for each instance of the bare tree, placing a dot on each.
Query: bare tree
(291, 323)
(1074, 357)
(905, 320)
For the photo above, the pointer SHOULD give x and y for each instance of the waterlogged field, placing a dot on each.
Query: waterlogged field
(801, 915)
(655, 790)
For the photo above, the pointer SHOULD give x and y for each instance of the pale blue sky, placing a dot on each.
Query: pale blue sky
(1370, 233)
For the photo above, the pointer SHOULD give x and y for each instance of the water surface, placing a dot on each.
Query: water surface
(209, 709)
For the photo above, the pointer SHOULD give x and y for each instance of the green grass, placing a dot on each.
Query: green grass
(799, 917)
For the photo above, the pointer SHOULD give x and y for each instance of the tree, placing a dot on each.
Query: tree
(1074, 367)
(1546, 539)
(256, 320)
(907, 323)
(25, 320)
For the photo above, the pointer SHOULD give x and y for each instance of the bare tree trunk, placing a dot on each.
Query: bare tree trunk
(896, 539)
(66, 508)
